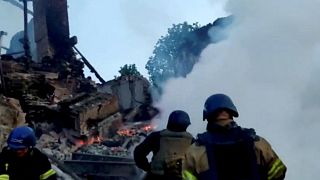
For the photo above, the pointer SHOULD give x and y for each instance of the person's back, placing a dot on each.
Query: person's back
(168, 160)
(168, 147)
(228, 152)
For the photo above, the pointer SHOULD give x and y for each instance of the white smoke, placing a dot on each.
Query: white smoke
(269, 66)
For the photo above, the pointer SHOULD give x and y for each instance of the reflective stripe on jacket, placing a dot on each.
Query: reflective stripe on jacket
(4, 177)
(44, 176)
(277, 170)
(186, 175)
(47, 174)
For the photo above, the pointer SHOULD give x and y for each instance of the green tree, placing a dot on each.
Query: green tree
(175, 54)
(166, 61)
(129, 70)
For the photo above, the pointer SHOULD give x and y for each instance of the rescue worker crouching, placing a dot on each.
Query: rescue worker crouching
(20, 160)
(168, 147)
(227, 151)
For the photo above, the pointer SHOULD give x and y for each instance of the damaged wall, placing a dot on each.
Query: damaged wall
(84, 110)
(132, 91)
(51, 27)
(109, 126)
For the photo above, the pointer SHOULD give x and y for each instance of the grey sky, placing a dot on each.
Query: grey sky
(11, 20)
(118, 32)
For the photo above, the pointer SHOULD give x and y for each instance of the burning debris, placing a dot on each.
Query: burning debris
(136, 129)
(111, 154)
(67, 117)
(121, 144)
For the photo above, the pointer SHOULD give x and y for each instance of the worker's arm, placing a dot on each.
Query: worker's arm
(50, 174)
(44, 165)
(277, 169)
(196, 162)
(269, 162)
(142, 150)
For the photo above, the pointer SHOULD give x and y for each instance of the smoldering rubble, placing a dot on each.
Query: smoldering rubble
(72, 115)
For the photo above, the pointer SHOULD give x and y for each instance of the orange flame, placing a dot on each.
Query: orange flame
(80, 143)
(126, 132)
(148, 128)
(132, 131)
(91, 140)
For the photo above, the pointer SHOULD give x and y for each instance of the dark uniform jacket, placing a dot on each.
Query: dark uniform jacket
(217, 152)
(34, 166)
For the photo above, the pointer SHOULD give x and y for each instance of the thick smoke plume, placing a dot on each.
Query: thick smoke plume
(270, 67)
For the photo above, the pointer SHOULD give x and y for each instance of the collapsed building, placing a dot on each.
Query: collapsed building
(80, 125)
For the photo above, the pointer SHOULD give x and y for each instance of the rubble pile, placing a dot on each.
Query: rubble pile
(87, 110)
(11, 115)
(61, 146)
(66, 116)
(56, 145)
(100, 149)
(121, 144)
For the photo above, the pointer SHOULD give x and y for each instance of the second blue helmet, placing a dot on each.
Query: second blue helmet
(217, 102)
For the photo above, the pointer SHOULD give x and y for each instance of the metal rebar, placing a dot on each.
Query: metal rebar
(86, 62)
(26, 38)
(3, 86)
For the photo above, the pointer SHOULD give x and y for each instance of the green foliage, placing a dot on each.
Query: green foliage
(129, 70)
(167, 53)
(176, 53)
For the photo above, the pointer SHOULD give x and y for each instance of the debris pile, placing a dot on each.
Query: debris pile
(71, 114)
(11, 115)
(100, 149)
(121, 144)
(61, 146)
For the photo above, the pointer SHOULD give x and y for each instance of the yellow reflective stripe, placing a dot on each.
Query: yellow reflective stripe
(276, 167)
(47, 174)
(276, 172)
(7, 165)
(4, 177)
(186, 175)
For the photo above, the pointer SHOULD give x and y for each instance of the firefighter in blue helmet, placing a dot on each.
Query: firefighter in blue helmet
(168, 147)
(227, 151)
(20, 160)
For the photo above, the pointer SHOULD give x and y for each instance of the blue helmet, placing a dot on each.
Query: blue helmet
(21, 137)
(217, 102)
(178, 121)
